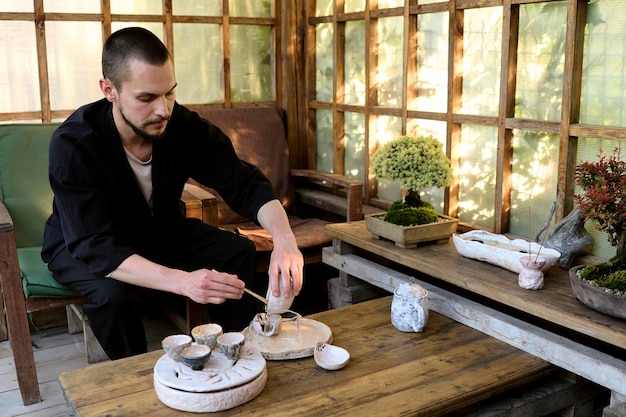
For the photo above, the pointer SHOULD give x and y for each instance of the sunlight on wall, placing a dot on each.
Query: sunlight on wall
(390, 58)
(355, 145)
(535, 163)
(324, 140)
(482, 42)
(432, 63)
(477, 175)
(541, 56)
(324, 65)
(355, 63)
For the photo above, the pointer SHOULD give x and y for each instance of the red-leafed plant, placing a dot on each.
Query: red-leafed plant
(604, 203)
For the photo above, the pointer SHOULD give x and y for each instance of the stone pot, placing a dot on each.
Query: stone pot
(595, 297)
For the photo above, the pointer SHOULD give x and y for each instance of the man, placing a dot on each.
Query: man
(117, 169)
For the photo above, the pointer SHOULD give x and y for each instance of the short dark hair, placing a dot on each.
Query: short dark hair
(128, 43)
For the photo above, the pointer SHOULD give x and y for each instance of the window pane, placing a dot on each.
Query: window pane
(64, 6)
(324, 140)
(355, 145)
(324, 7)
(197, 7)
(19, 75)
(251, 63)
(540, 61)
(477, 175)
(16, 6)
(382, 130)
(588, 150)
(324, 68)
(385, 4)
(198, 64)
(355, 63)
(534, 181)
(390, 61)
(432, 63)
(604, 70)
(354, 6)
(74, 63)
(136, 7)
(482, 41)
(247, 8)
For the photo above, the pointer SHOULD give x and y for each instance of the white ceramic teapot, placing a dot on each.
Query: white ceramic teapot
(409, 308)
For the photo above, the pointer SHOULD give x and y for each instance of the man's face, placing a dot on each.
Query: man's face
(146, 100)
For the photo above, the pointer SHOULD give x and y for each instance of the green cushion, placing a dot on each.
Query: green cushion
(24, 185)
(25, 191)
(36, 277)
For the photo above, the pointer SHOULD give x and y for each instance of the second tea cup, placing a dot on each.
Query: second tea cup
(207, 334)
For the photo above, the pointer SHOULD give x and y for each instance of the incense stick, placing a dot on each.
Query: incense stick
(255, 295)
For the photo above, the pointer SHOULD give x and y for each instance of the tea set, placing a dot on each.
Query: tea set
(213, 370)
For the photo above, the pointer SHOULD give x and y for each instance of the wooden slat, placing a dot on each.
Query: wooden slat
(570, 113)
(506, 109)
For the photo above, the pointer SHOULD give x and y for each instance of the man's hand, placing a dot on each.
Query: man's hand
(202, 286)
(285, 270)
(286, 263)
(211, 287)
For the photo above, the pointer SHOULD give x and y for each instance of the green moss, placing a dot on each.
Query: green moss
(606, 274)
(615, 281)
(594, 272)
(404, 214)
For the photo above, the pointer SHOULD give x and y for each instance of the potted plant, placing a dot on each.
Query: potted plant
(602, 286)
(416, 162)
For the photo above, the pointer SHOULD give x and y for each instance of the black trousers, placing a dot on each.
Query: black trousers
(111, 305)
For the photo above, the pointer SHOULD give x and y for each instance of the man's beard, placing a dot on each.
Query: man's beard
(142, 133)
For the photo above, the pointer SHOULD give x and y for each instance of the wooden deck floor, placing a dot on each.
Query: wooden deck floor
(58, 351)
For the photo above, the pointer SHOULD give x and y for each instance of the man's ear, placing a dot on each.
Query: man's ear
(107, 88)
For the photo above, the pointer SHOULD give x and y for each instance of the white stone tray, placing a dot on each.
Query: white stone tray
(500, 250)
(209, 402)
(289, 343)
(219, 373)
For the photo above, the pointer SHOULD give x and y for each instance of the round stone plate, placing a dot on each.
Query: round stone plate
(292, 342)
(208, 402)
(219, 373)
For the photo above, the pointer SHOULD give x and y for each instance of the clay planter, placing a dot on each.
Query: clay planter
(595, 297)
(409, 236)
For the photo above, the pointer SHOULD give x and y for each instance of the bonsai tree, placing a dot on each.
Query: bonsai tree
(416, 162)
(604, 203)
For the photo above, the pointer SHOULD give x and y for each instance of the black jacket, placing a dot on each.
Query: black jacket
(99, 213)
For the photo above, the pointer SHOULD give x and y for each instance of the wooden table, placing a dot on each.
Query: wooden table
(448, 367)
(549, 323)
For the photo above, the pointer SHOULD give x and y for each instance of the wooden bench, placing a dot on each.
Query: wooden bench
(549, 323)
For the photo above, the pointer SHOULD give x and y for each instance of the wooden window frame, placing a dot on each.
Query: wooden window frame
(39, 17)
(569, 129)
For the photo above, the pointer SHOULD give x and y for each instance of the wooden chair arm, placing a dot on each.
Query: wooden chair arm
(197, 203)
(353, 189)
(6, 222)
